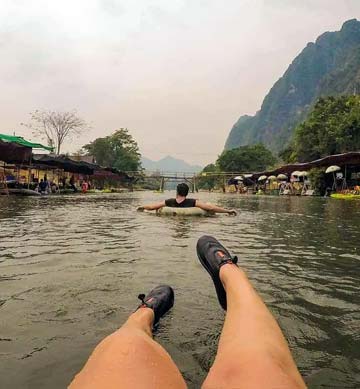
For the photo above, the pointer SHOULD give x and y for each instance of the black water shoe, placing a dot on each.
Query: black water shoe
(212, 255)
(160, 300)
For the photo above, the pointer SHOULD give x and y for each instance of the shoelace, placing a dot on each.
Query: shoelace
(141, 297)
(233, 260)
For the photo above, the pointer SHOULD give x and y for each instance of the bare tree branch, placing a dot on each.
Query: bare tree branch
(56, 127)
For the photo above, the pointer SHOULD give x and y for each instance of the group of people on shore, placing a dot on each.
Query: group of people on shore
(46, 187)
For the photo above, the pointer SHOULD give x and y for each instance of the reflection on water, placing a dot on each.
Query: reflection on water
(71, 268)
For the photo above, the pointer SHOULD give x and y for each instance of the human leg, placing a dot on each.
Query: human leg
(130, 358)
(252, 351)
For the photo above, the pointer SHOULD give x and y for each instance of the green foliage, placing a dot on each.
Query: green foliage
(333, 127)
(118, 150)
(288, 155)
(317, 178)
(208, 180)
(246, 159)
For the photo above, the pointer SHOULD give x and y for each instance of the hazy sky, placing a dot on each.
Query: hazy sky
(177, 73)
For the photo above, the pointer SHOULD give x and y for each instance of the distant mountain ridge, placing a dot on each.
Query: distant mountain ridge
(330, 66)
(170, 164)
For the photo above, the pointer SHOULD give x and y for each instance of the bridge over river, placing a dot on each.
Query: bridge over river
(191, 178)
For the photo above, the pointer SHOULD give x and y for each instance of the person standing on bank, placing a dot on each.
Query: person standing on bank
(181, 201)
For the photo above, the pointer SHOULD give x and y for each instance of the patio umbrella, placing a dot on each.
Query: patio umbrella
(332, 169)
(239, 178)
(262, 178)
(295, 173)
(272, 178)
(302, 174)
(282, 177)
(248, 175)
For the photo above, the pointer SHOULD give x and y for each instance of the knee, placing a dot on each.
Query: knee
(252, 372)
(222, 377)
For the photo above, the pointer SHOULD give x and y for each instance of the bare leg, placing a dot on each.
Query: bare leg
(130, 358)
(252, 351)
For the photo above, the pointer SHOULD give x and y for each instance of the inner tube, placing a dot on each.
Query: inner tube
(174, 211)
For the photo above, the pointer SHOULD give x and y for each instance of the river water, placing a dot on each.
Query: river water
(71, 269)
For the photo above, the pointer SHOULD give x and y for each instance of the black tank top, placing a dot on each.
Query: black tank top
(187, 203)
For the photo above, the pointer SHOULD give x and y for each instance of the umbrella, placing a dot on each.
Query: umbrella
(296, 173)
(302, 174)
(272, 178)
(262, 178)
(282, 177)
(332, 169)
(239, 178)
(248, 175)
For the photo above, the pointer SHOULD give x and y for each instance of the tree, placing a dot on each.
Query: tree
(288, 154)
(250, 158)
(333, 127)
(118, 150)
(56, 127)
(208, 180)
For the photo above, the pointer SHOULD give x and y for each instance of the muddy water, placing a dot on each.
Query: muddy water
(71, 268)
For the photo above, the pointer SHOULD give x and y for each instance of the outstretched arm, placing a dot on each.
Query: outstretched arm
(152, 207)
(214, 208)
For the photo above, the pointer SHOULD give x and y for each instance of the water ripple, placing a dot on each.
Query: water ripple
(72, 266)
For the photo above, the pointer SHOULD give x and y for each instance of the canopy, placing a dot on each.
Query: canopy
(21, 141)
(295, 173)
(282, 177)
(272, 178)
(341, 160)
(239, 178)
(65, 163)
(248, 175)
(14, 153)
(262, 178)
(332, 169)
(106, 173)
(82, 167)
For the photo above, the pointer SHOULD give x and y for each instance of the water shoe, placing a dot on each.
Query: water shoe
(212, 255)
(160, 300)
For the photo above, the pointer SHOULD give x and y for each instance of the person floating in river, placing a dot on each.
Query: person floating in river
(252, 351)
(181, 201)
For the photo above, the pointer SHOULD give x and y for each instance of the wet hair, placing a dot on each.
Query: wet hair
(182, 189)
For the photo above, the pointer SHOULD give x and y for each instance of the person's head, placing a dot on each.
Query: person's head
(182, 189)
(41, 180)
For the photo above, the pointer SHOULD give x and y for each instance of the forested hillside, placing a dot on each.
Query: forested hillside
(330, 66)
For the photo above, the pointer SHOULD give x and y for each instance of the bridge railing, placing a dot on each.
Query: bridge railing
(162, 174)
(178, 175)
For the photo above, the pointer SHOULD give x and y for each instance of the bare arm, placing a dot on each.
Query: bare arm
(214, 208)
(152, 207)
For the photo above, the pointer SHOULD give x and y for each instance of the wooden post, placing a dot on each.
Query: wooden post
(29, 173)
(5, 182)
(344, 183)
(162, 184)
